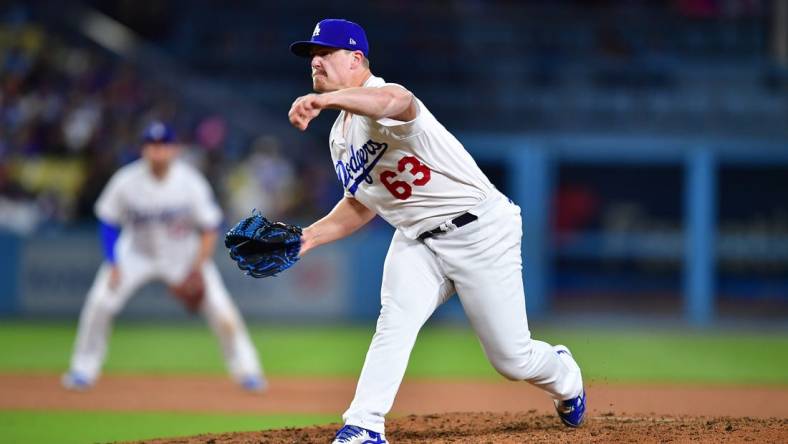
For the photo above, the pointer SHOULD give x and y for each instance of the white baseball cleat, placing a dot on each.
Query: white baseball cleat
(350, 434)
(76, 382)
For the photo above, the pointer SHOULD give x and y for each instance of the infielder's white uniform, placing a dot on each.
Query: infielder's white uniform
(418, 177)
(160, 220)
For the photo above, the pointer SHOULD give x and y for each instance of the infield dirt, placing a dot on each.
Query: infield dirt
(437, 411)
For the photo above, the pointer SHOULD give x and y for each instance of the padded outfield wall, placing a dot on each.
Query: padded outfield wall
(682, 261)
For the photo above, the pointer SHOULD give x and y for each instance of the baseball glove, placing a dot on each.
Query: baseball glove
(191, 291)
(262, 248)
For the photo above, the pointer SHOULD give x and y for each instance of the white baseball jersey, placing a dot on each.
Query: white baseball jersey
(159, 218)
(415, 175)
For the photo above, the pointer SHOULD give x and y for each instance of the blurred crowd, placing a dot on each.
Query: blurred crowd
(71, 114)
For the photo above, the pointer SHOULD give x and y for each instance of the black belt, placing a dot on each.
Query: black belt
(459, 221)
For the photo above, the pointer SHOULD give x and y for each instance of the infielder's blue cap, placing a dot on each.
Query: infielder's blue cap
(158, 132)
(334, 33)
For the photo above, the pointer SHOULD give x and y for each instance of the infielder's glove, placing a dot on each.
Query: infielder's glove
(262, 248)
(191, 291)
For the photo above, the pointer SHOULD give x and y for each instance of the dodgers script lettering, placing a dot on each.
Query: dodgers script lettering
(359, 164)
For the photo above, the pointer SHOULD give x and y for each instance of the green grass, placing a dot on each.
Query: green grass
(605, 355)
(28, 427)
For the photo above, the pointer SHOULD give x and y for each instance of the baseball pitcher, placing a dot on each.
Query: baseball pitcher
(455, 232)
(158, 220)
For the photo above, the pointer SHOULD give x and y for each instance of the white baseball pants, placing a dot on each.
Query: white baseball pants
(103, 303)
(482, 262)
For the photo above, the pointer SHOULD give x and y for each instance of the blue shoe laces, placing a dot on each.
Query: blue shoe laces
(348, 432)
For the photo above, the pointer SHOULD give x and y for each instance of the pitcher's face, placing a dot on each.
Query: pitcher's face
(331, 68)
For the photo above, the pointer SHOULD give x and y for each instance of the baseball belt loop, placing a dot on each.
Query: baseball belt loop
(447, 226)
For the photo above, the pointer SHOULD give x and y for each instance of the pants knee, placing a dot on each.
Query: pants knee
(513, 366)
(227, 325)
(396, 323)
(509, 369)
(103, 307)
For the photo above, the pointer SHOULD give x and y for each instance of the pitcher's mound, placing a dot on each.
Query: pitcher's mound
(531, 427)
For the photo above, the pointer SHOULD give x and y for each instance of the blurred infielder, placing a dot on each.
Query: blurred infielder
(159, 220)
(455, 232)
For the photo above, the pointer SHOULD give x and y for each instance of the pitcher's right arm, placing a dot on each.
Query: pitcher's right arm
(347, 216)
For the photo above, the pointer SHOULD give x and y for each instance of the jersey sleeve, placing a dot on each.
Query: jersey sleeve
(109, 207)
(398, 128)
(206, 211)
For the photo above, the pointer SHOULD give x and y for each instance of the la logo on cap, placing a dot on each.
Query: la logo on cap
(316, 32)
(157, 130)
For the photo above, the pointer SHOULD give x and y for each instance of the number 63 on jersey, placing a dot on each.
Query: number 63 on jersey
(401, 189)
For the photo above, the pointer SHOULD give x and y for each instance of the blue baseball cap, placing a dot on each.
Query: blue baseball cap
(158, 132)
(334, 33)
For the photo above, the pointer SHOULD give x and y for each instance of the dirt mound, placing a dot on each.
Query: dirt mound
(532, 427)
